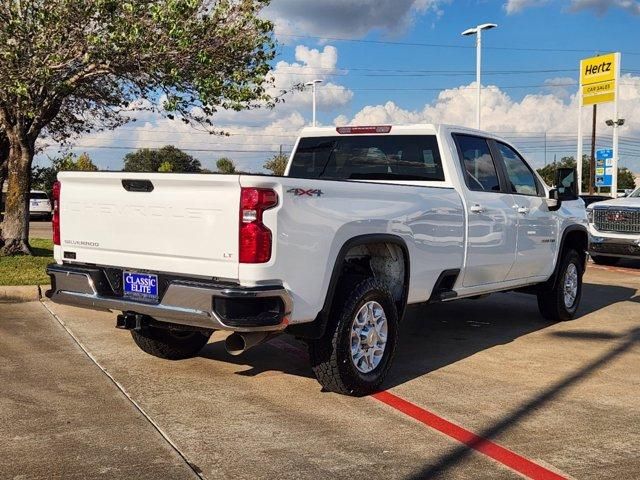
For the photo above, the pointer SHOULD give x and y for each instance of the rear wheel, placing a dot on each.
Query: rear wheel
(560, 301)
(355, 353)
(598, 260)
(170, 344)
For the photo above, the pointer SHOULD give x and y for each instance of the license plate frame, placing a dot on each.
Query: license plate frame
(140, 285)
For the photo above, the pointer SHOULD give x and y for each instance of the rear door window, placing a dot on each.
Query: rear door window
(372, 157)
(478, 164)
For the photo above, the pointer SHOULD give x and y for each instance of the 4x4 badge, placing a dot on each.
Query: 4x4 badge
(301, 192)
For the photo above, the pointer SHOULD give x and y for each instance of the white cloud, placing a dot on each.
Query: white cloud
(562, 87)
(347, 18)
(313, 64)
(552, 112)
(516, 6)
(601, 6)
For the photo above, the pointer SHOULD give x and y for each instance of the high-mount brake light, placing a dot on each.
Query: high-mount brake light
(363, 129)
(255, 237)
(55, 218)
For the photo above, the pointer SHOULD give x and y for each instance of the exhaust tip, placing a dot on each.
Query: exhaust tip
(235, 344)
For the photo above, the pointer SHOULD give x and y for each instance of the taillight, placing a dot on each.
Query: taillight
(255, 237)
(55, 218)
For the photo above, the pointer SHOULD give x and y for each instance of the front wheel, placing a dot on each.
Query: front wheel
(560, 301)
(355, 353)
(170, 344)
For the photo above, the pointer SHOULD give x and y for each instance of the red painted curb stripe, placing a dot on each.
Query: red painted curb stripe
(487, 447)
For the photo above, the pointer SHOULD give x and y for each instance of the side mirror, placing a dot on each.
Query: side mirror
(554, 202)
(567, 184)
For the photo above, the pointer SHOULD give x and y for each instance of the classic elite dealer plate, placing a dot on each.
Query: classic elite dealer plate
(140, 285)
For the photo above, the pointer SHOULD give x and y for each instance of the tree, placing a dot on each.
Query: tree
(83, 164)
(147, 160)
(166, 167)
(277, 164)
(4, 159)
(70, 67)
(42, 178)
(625, 178)
(226, 165)
(548, 173)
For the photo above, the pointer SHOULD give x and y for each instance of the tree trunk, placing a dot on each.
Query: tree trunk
(15, 226)
(4, 159)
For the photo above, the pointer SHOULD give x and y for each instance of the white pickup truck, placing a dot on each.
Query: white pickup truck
(365, 221)
(614, 229)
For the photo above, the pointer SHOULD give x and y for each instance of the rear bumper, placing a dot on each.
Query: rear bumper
(39, 213)
(186, 302)
(623, 247)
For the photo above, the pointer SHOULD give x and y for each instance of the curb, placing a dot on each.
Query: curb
(22, 293)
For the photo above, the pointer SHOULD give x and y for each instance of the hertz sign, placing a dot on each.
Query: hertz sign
(598, 77)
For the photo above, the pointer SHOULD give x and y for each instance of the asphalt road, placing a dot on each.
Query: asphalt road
(563, 397)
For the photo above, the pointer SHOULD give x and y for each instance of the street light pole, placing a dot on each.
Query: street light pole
(313, 84)
(477, 31)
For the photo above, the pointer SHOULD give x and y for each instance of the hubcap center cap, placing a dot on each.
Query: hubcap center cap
(371, 338)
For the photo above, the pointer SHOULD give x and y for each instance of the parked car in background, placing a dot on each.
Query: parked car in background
(39, 205)
(614, 229)
(624, 192)
(589, 199)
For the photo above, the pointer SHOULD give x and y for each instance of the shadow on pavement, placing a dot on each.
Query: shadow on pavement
(629, 263)
(434, 336)
(262, 358)
(459, 453)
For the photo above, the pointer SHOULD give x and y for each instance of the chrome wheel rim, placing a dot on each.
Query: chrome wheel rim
(570, 285)
(369, 331)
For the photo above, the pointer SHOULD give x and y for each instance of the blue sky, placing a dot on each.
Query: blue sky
(379, 73)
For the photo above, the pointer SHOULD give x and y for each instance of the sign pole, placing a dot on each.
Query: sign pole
(592, 160)
(614, 182)
(478, 77)
(579, 153)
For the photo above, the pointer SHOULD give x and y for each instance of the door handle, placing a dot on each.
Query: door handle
(475, 208)
(523, 210)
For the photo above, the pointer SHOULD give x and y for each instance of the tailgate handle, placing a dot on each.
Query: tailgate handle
(137, 185)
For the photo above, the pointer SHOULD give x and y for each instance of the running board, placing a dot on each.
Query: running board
(443, 288)
(447, 295)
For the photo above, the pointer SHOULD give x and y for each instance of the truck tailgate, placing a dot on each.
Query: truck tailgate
(185, 224)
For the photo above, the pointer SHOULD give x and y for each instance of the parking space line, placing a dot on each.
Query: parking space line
(502, 455)
(482, 445)
(192, 466)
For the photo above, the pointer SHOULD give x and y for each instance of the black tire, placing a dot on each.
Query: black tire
(598, 260)
(331, 355)
(551, 298)
(168, 343)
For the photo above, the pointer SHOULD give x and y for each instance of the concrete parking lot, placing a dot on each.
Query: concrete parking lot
(549, 400)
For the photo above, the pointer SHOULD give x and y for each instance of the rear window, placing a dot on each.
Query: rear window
(374, 157)
(38, 196)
